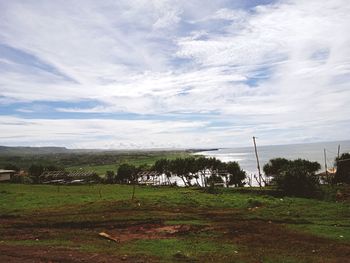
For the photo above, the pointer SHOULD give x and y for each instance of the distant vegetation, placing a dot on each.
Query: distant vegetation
(291, 177)
(96, 161)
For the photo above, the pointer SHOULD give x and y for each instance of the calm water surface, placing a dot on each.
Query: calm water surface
(311, 151)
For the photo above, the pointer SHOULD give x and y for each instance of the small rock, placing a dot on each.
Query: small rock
(179, 255)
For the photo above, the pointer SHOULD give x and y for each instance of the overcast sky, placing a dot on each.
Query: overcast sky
(191, 73)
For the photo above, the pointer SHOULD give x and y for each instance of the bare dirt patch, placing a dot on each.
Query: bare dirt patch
(266, 237)
(147, 231)
(254, 238)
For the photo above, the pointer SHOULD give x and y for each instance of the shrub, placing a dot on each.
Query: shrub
(343, 169)
(110, 177)
(294, 177)
(295, 181)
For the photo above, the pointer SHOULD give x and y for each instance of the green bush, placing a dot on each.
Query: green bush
(297, 182)
(294, 177)
(343, 169)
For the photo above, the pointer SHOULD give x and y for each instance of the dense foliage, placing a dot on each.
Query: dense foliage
(294, 177)
(127, 173)
(202, 171)
(343, 169)
(92, 158)
(192, 171)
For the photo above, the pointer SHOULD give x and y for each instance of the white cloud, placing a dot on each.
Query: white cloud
(276, 68)
(97, 133)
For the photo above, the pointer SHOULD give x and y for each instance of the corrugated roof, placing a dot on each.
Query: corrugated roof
(7, 171)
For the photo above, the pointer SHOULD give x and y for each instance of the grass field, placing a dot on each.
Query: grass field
(164, 224)
(137, 160)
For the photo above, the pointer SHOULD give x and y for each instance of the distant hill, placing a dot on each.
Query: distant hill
(6, 150)
(21, 150)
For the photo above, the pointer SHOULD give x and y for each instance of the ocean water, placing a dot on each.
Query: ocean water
(311, 151)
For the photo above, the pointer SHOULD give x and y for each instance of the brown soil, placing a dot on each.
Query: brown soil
(263, 237)
(29, 254)
(254, 238)
(147, 231)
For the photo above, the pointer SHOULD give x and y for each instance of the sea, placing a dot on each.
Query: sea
(245, 156)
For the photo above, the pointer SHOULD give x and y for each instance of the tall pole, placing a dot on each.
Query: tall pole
(257, 161)
(325, 161)
(338, 151)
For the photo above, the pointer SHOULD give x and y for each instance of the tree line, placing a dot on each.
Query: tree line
(201, 171)
(293, 177)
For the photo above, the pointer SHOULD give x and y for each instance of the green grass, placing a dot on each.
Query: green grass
(99, 205)
(340, 233)
(19, 197)
(173, 248)
(193, 222)
(99, 169)
(136, 160)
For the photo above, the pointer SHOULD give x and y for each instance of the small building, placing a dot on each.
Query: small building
(148, 178)
(63, 177)
(6, 175)
(327, 177)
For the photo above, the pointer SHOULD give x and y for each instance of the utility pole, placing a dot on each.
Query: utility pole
(325, 161)
(338, 151)
(257, 161)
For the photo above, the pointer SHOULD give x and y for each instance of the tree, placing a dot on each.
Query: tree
(110, 177)
(276, 167)
(236, 174)
(295, 177)
(343, 169)
(202, 166)
(126, 173)
(296, 181)
(35, 171)
(178, 168)
(161, 166)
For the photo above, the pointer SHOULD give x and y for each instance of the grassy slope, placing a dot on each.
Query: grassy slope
(83, 205)
(136, 160)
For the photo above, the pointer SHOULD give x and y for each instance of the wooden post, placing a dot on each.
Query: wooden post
(338, 151)
(257, 161)
(133, 191)
(325, 161)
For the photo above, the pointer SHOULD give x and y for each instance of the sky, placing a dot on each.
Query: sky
(173, 74)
